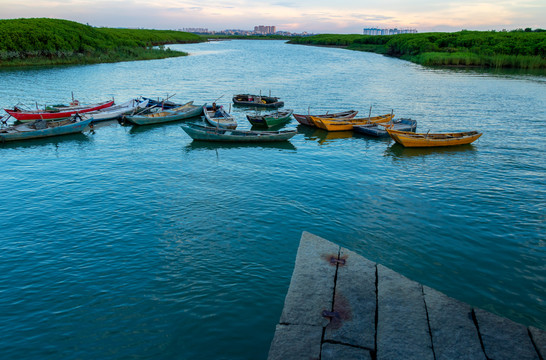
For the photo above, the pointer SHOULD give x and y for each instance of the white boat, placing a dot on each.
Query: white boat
(216, 116)
(116, 111)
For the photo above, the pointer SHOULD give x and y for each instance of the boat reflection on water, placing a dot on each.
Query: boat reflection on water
(54, 141)
(215, 145)
(323, 137)
(398, 151)
(138, 129)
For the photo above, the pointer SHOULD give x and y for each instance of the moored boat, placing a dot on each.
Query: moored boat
(216, 116)
(333, 124)
(306, 119)
(410, 139)
(208, 133)
(55, 112)
(378, 129)
(115, 111)
(43, 128)
(185, 111)
(163, 104)
(271, 119)
(257, 101)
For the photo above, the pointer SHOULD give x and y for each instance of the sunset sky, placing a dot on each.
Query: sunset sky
(314, 16)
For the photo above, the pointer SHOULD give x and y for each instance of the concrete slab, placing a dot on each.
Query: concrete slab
(503, 338)
(312, 285)
(539, 339)
(338, 351)
(379, 314)
(296, 342)
(454, 334)
(402, 327)
(355, 302)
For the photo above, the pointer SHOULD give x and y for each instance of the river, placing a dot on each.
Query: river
(137, 243)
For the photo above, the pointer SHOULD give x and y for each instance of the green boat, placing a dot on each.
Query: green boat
(272, 119)
(209, 133)
(185, 111)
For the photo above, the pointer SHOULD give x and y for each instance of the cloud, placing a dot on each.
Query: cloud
(306, 15)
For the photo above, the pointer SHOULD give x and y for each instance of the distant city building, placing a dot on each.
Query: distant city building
(264, 29)
(378, 31)
(196, 30)
(258, 30)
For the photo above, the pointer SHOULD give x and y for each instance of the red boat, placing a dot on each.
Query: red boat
(57, 112)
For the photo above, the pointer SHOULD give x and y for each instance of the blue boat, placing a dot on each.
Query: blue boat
(378, 130)
(42, 128)
(163, 104)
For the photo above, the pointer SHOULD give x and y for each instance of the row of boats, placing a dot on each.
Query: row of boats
(219, 124)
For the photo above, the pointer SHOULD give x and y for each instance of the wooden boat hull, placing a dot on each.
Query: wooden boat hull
(272, 119)
(257, 101)
(25, 116)
(378, 130)
(332, 124)
(218, 117)
(306, 119)
(185, 111)
(207, 133)
(409, 139)
(54, 128)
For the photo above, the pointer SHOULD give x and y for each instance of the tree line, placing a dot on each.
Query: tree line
(525, 49)
(41, 40)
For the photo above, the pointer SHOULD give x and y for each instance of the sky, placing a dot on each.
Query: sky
(312, 16)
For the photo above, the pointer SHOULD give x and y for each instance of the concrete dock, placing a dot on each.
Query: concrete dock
(342, 306)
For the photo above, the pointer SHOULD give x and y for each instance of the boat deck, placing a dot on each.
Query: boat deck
(342, 306)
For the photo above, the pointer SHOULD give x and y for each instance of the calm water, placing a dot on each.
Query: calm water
(131, 243)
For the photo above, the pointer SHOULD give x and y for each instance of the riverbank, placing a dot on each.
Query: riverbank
(487, 49)
(35, 42)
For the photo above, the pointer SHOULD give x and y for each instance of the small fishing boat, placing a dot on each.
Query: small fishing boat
(378, 129)
(257, 101)
(218, 117)
(185, 111)
(55, 111)
(43, 128)
(410, 139)
(115, 111)
(333, 124)
(208, 133)
(164, 104)
(306, 119)
(271, 119)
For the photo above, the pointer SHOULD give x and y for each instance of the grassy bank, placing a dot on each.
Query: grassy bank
(515, 49)
(53, 41)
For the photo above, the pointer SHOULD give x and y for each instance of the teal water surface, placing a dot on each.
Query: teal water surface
(137, 243)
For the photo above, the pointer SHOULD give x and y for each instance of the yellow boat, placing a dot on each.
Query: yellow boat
(333, 124)
(411, 139)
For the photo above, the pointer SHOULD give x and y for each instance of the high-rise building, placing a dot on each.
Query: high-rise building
(261, 29)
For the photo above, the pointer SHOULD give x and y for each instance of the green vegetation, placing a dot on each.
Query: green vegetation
(520, 49)
(53, 41)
